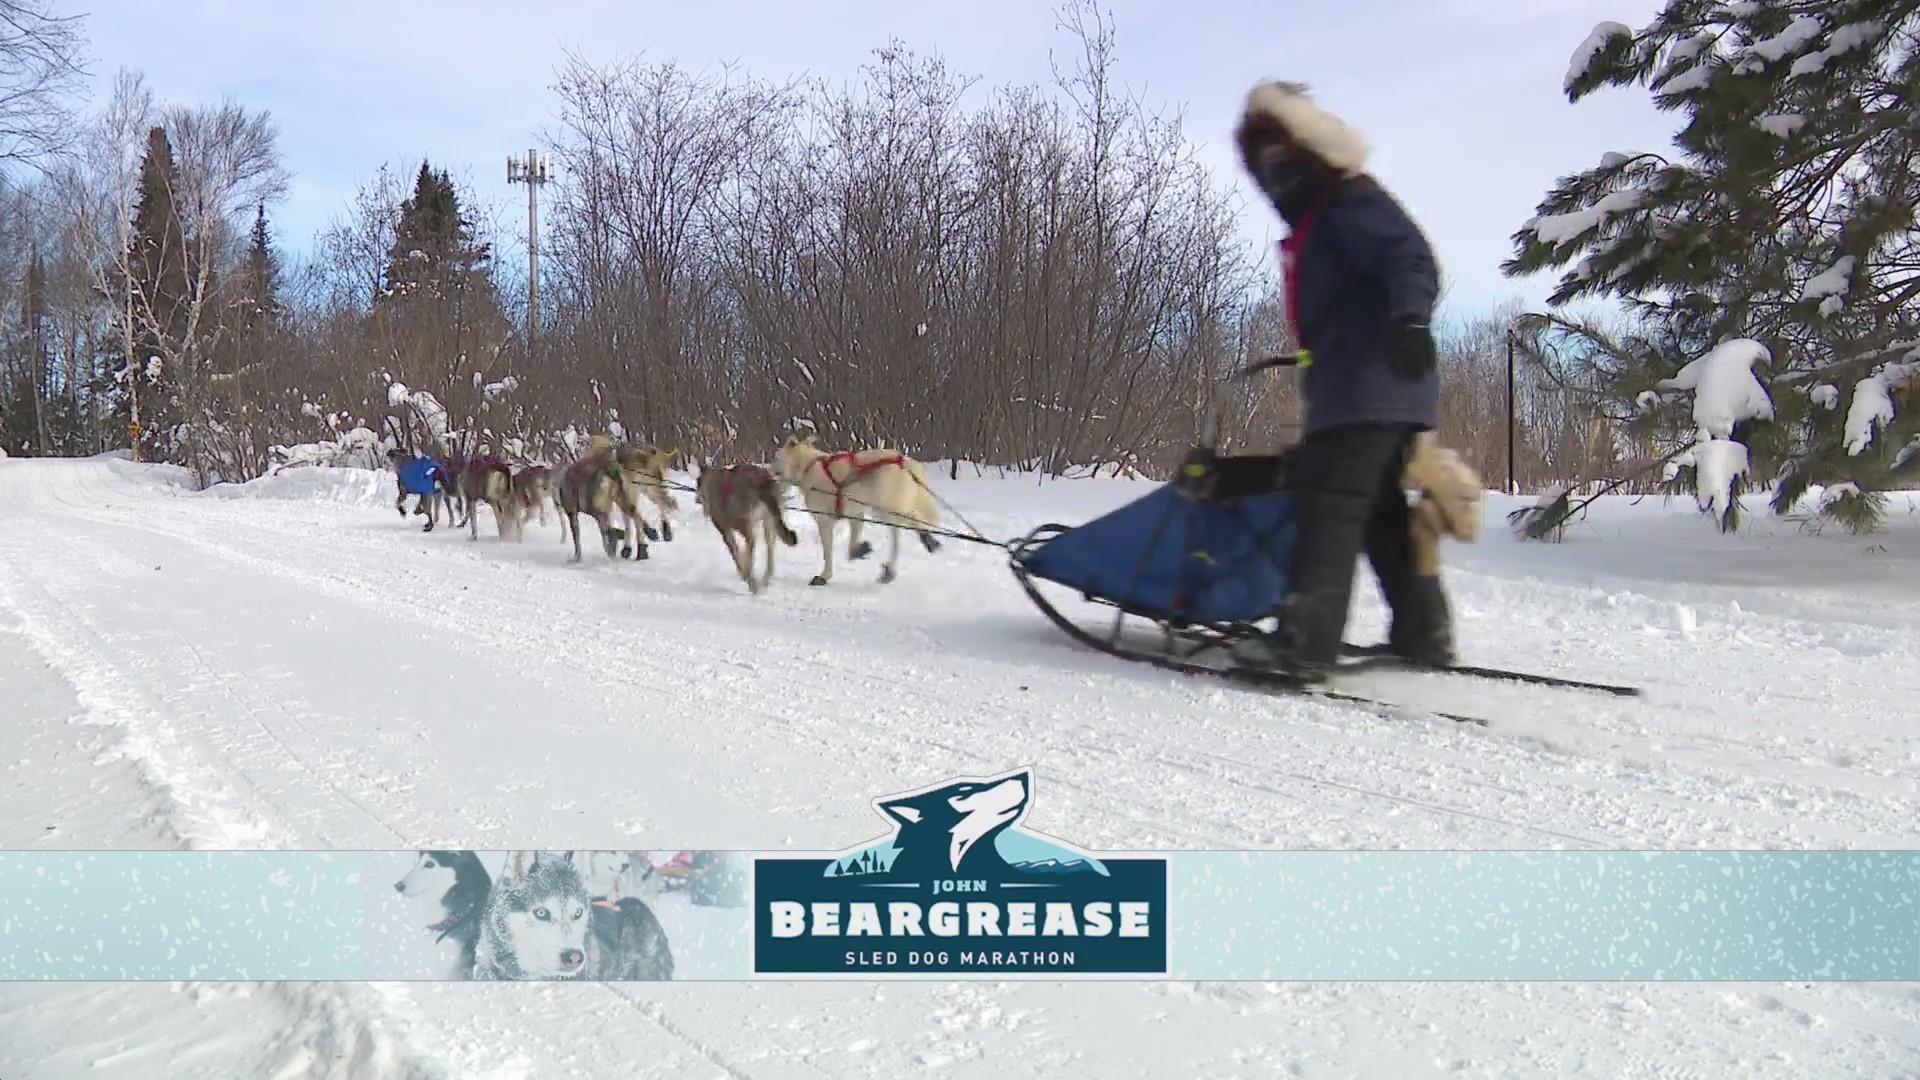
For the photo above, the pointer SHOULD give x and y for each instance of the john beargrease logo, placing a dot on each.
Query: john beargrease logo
(959, 887)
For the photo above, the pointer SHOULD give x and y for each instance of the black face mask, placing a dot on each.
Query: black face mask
(1289, 182)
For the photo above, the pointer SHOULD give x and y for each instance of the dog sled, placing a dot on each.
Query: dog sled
(1181, 575)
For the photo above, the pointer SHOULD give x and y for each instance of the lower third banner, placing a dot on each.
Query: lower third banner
(956, 889)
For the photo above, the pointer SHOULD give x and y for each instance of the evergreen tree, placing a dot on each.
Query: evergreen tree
(157, 277)
(1786, 218)
(435, 255)
(260, 292)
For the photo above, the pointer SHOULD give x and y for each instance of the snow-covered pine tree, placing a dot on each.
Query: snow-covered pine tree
(1786, 218)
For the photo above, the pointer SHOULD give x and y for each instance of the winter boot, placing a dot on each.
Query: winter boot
(1423, 627)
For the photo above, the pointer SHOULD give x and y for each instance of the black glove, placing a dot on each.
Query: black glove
(1410, 348)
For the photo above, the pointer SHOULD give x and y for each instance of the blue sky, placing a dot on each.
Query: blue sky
(1461, 99)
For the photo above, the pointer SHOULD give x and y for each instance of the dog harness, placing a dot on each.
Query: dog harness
(859, 470)
(751, 475)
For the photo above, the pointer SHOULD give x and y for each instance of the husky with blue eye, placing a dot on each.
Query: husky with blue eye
(536, 920)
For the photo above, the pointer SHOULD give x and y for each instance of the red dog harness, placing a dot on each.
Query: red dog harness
(751, 475)
(859, 470)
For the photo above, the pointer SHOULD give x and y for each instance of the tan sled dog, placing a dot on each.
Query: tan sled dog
(490, 481)
(887, 487)
(532, 488)
(1450, 498)
(596, 485)
(645, 471)
(745, 499)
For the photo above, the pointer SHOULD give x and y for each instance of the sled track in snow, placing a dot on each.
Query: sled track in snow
(482, 637)
(501, 598)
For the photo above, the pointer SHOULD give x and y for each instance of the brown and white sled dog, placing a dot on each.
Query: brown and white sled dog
(745, 499)
(490, 481)
(533, 489)
(884, 486)
(597, 485)
(644, 469)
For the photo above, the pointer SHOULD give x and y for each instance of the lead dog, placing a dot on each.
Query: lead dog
(744, 499)
(889, 487)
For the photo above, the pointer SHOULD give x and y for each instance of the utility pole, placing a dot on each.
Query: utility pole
(1512, 489)
(535, 169)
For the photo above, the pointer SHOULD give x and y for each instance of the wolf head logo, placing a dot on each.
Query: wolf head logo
(950, 830)
(963, 828)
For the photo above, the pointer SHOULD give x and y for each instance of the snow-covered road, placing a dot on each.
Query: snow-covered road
(289, 665)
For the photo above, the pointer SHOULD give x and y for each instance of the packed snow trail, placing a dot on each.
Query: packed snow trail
(288, 664)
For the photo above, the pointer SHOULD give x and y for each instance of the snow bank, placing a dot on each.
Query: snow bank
(358, 448)
(1724, 389)
(318, 483)
(1596, 41)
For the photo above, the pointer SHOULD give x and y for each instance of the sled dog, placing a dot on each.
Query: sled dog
(1450, 497)
(490, 481)
(645, 470)
(533, 489)
(613, 875)
(451, 887)
(888, 487)
(535, 923)
(426, 479)
(745, 499)
(626, 943)
(597, 485)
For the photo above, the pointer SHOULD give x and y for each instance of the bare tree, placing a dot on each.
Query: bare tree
(40, 72)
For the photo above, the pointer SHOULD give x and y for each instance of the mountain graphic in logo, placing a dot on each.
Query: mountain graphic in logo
(959, 887)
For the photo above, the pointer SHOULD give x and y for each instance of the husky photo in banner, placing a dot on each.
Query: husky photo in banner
(572, 915)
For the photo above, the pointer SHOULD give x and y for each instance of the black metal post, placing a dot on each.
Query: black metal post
(1511, 489)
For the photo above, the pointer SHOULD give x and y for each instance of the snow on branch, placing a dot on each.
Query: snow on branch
(1557, 229)
(1597, 41)
(1844, 40)
(1830, 286)
(1781, 125)
(1724, 389)
(1872, 406)
(1799, 33)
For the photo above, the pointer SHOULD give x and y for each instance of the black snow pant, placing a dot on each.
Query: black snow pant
(1348, 498)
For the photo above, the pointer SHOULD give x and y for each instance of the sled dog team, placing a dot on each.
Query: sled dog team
(745, 503)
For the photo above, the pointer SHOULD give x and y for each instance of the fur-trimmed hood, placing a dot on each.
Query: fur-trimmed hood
(1308, 126)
